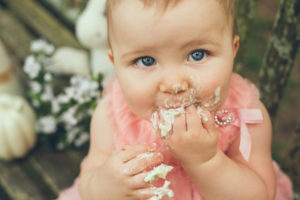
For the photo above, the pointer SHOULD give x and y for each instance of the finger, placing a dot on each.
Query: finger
(143, 162)
(145, 193)
(137, 181)
(208, 121)
(161, 127)
(193, 120)
(179, 126)
(131, 152)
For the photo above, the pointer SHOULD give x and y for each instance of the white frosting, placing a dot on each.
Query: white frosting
(199, 110)
(213, 100)
(146, 155)
(160, 171)
(177, 88)
(164, 118)
(163, 192)
(217, 95)
(167, 119)
(154, 120)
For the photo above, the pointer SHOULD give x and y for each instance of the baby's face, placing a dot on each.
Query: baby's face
(181, 57)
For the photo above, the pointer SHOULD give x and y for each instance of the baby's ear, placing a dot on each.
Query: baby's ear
(110, 55)
(236, 44)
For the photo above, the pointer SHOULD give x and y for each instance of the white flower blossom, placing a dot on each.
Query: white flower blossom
(48, 93)
(48, 77)
(31, 67)
(90, 112)
(55, 106)
(70, 92)
(69, 116)
(82, 89)
(63, 99)
(71, 135)
(35, 86)
(36, 103)
(46, 124)
(83, 138)
(64, 106)
(42, 46)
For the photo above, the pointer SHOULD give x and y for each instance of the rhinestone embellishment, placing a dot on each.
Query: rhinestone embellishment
(223, 117)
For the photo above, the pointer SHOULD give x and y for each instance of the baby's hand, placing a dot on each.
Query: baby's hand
(122, 175)
(194, 138)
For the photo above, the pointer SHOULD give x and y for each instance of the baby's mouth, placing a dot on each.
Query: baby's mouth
(163, 117)
(181, 101)
(168, 104)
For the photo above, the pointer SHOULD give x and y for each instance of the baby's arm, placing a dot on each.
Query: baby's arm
(230, 176)
(105, 175)
(260, 162)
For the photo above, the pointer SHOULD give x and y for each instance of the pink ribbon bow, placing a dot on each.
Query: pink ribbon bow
(247, 116)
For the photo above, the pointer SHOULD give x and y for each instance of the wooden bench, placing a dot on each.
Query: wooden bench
(44, 171)
(40, 175)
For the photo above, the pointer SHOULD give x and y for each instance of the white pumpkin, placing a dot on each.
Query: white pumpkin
(17, 127)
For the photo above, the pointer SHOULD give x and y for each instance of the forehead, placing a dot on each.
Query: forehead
(130, 20)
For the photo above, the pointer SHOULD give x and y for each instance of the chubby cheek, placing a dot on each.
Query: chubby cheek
(213, 95)
(140, 102)
(140, 107)
(137, 93)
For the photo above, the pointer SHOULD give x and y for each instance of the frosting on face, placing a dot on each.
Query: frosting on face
(163, 118)
(214, 99)
(181, 101)
(177, 88)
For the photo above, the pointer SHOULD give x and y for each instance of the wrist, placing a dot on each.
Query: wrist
(198, 164)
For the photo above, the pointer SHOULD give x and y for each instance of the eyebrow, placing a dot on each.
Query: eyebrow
(143, 49)
(200, 42)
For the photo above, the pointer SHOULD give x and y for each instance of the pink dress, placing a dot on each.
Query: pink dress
(133, 130)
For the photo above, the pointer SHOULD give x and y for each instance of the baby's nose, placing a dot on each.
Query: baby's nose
(173, 86)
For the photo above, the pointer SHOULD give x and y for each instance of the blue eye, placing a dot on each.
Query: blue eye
(145, 61)
(197, 55)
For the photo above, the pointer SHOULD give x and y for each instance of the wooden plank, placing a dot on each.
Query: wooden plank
(42, 175)
(14, 35)
(3, 194)
(64, 11)
(17, 185)
(42, 22)
(58, 169)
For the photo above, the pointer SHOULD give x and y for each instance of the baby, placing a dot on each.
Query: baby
(173, 62)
